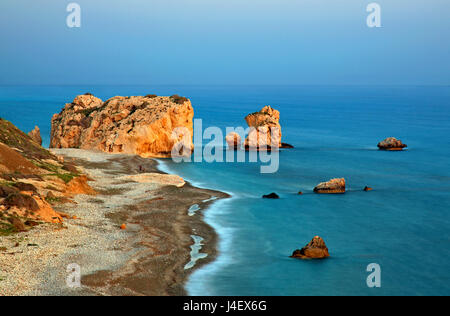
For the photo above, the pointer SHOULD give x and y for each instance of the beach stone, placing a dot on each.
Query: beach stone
(271, 196)
(391, 143)
(331, 187)
(316, 249)
(148, 126)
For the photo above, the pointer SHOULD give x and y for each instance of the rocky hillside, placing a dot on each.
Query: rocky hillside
(142, 125)
(31, 181)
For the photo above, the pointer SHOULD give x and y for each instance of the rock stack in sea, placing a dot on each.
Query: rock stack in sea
(149, 126)
(265, 129)
(331, 187)
(316, 249)
(391, 143)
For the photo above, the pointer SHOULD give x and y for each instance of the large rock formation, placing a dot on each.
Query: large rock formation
(36, 135)
(265, 129)
(31, 180)
(148, 126)
(391, 143)
(332, 186)
(316, 249)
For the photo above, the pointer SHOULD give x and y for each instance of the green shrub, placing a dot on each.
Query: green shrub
(178, 100)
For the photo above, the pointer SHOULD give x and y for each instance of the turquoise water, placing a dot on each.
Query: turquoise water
(403, 224)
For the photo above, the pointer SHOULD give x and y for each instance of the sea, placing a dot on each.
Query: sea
(402, 226)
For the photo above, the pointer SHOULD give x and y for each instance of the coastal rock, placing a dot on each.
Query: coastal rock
(148, 126)
(265, 129)
(391, 143)
(271, 196)
(36, 135)
(30, 177)
(332, 186)
(316, 249)
(233, 140)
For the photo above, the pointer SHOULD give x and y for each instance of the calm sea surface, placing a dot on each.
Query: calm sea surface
(403, 224)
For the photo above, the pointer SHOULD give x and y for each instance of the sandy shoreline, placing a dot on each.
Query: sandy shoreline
(148, 258)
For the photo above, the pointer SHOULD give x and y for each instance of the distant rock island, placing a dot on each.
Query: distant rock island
(391, 143)
(316, 249)
(141, 125)
(331, 187)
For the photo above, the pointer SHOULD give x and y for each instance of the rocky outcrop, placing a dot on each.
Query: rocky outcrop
(391, 143)
(271, 196)
(265, 129)
(332, 186)
(32, 180)
(149, 126)
(36, 135)
(316, 249)
(233, 140)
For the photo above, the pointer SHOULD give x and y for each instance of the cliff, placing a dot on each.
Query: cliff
(148, 126)
(31, 181)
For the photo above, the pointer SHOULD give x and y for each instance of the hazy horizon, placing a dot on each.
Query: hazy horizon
(219, 42)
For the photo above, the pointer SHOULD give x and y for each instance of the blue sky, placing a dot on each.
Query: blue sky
(225, 42)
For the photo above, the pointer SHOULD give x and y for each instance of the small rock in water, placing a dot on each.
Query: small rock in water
(391, 143)
(271, 196)
(331, 187)
(286, 146)
(316, 249)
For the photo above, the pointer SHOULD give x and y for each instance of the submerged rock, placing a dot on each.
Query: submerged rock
(316, 249)
(391, 143)
(332, 186)
(36, 135)
(265, 129)
(148, 126)
(271, 196)
(233, 140)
